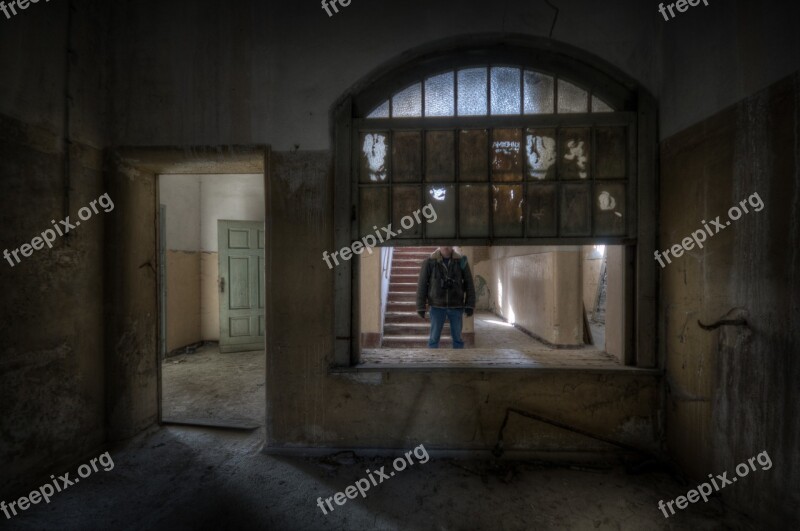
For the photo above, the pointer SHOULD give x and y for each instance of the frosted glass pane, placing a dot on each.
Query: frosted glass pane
(599, 105)
(542, 213)
(474, 210)
(381, 111)
(374, 157)
(443, 199)
(406, 201)
(609, 209)
(507, 209)
(373, 208)
(439, 95)
(576, 210)
(473, 155)
(505, 91)
(540, 154)
(575, 146)
(572, 98)
(472, 92)
(408, 102)
(507, 155)
(538, 93)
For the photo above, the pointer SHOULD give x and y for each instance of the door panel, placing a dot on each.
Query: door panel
(241, 272)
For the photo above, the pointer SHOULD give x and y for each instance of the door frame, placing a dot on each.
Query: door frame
(134, 394)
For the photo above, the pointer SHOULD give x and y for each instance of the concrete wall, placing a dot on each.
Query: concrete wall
(52, 357)
(443, 409)
(538, 289)
(717, 55)
(591, 265)
(733, 392)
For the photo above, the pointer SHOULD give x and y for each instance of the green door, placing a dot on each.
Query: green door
(241, 285)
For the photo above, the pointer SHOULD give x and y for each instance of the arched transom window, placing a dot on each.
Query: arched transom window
(497, 91)
(503, 153)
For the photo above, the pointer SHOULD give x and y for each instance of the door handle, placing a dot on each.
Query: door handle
(222, 284)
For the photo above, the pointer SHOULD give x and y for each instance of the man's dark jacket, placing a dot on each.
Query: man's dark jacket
(429, 287)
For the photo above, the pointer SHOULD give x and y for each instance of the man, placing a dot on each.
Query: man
(445, 283)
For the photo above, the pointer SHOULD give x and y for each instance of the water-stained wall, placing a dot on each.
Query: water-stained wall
(732, 392)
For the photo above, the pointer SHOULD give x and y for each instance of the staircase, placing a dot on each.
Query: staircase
(402, 327)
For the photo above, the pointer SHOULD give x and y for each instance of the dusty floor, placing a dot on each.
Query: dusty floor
(192, 478)
(498, 344)
(208, 386)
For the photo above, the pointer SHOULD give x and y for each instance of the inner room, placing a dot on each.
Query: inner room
(211, 303)
(534, 306)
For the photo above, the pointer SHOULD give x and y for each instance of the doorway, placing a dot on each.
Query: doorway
(212, 296)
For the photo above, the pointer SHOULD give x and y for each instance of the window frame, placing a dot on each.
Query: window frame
(635, 109)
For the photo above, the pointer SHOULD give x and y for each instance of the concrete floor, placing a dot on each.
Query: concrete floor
(210, 387)
(498, 344)
(193, 478)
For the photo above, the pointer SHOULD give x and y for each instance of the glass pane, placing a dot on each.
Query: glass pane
(538, 93)
(599, 105)
(381, 111)
(474, 210)
(610, 152)
(507, 210)
(505, 91)
(609, 209)
(405, 201)
(575, 161)
(472, 92)
(473, 155)
(440, 157)
(439, 95)
(443, 199)
(408, 102)
(373, 203)
(507, 155)
(407, 156)
(576, 210)
(540, 152)
(572, 98)
(542, 210)
(374, 155)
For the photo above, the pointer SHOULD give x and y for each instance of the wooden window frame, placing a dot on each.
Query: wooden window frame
(635, 109)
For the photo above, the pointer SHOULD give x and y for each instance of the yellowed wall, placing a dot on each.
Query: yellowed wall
(209, 296)
(183, 298)
(615, 302)
(538, 288)
(591, 265)
(370, 288)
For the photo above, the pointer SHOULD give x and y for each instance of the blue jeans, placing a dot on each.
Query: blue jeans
(438, 316)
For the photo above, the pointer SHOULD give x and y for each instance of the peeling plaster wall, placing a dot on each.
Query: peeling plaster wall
(734, 392)
(51, 320)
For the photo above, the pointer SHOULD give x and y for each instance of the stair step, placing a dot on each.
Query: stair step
(402, 287)
(414, 342)
(407, 329)
(402, 296)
